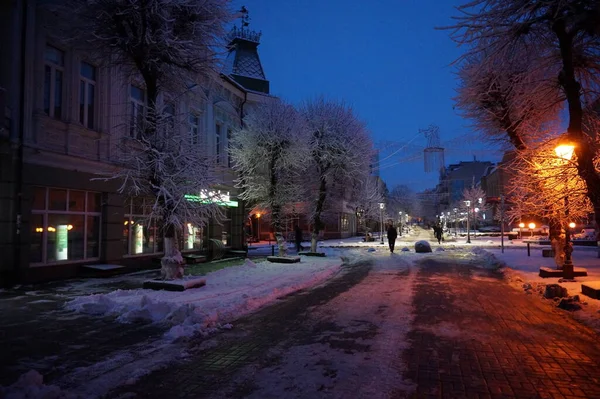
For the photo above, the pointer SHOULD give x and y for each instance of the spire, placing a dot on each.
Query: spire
(243, 63)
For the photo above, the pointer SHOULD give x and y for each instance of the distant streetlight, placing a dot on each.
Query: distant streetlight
(521, 225)
(455, 223)
(531, 227)
(468, 204)
(565, 151)
(381, 206)
(400, 218)
(258, 226)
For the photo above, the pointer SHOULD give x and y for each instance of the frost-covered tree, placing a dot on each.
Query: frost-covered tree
(366, 197)
(401, 199)
(552, 46)
(477, 204)
(168, 44)
(340, 152)
(270, 152)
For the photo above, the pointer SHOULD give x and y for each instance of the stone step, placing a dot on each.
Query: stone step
(546, 272)
(591, 289)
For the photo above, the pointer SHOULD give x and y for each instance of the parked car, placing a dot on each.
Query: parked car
(585, 234)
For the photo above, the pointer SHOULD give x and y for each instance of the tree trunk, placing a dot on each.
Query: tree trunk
(317, 222)
(583, 149)
(276, 208)
(172, 261)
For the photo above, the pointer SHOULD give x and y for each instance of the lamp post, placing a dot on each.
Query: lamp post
(400, 218)
(258, 226)
(468, 204)
(531, 227)
(565, 152)
(381, 205)
(521, 225)
(455, 223)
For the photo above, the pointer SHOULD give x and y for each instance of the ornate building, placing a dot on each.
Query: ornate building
(65, 116)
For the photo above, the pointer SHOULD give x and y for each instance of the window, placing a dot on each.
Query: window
(65, 225)
(194, 129)
(87, 93)
(218, 143)
(229, 159)
(54, 62)
(192, 237)
(140, 235)
(137, 98)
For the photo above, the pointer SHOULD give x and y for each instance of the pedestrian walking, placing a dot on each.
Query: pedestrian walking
(392, 234)
(298, 237)
(437, 231)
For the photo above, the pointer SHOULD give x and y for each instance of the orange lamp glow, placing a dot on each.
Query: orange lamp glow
(532, 225)
(521, 225)
(571, 225)
(564, 151)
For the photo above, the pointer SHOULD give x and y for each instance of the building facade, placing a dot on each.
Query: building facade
(64, 119)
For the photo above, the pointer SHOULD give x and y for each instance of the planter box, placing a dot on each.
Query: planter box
(546, 272)
(283, 259)
(591, 289)
(174, 285)
(322, 254)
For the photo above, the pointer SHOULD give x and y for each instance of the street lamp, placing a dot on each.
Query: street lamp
(565, 151)
(468, 203)
(531, 227)
(521, 225)
(455, 223)
(258, 226)
(381, 206)
(400, 217)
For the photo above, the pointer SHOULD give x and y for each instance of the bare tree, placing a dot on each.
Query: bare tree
(340, 149)
(270, 152)
(476, 203)
(168, 44)
(561, 42)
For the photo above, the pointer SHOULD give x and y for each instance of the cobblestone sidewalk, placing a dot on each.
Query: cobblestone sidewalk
(475, 337)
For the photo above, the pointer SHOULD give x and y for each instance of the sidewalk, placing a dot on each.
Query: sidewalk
(475, 336)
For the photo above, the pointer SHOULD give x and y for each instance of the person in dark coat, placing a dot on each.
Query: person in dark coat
(392, 234)
(437, 231)
(298, 232)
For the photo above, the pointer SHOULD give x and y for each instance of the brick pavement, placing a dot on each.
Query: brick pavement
(36, 332)
(475, 337)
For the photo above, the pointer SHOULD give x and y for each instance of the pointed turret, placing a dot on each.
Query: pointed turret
(243, 63)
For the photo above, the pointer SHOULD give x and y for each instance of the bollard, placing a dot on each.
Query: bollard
(272, 250)
(528, 252)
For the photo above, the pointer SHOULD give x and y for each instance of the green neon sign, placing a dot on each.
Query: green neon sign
(197, 198)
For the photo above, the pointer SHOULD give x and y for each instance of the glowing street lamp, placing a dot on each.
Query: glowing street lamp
(381, 206)
(521, 225)
(531, 227)
(400, 217)
(565, 150)
(468, 204)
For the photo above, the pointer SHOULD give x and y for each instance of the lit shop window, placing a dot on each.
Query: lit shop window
(140, 234)
(192, 237)
(65, 225)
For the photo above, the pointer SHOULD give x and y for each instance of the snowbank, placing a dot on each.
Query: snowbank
(228, 294)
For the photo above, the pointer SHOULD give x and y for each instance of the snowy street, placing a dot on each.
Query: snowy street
(440, 328)
(359, 323)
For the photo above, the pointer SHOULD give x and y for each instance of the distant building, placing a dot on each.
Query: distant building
(455, 179)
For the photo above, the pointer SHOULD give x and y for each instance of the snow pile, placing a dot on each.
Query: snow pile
(31, 386)
(486, 259)
(228, 294)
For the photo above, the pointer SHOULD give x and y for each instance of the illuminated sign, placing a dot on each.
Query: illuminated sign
(212, 197)
(62, 242)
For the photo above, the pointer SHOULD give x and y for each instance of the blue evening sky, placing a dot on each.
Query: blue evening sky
(385, 59)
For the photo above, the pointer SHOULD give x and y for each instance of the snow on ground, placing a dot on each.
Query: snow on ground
(522, 269)
(229, 293)
(356, 345)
